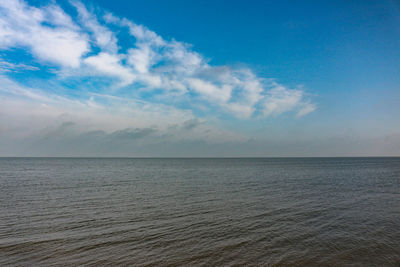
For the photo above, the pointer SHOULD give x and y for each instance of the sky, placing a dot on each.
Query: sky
(199, 78)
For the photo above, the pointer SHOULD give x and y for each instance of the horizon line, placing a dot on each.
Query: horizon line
(244, 157)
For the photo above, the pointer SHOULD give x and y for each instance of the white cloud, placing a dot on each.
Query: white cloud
(306, 108)
(142, 34)
(240, 110)
(280, 99)
(57, 16)
(60, 46)
(103, 37)
(211, 91)
(140, 58)
(22, 25)
(183, 60)
(110, 65)
(149, 63)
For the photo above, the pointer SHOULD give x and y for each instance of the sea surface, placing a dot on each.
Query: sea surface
(200, 212)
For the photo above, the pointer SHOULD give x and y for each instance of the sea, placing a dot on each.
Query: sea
(200, 212)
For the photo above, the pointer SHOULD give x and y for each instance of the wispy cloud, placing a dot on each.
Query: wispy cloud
(15, 67)
(279, 100)
(165, 70)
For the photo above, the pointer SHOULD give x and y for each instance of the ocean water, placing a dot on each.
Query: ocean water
(200, 212)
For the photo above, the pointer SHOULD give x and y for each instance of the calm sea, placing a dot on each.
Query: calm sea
(212, 212)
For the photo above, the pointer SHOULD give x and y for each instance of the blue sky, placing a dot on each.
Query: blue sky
(199, 78)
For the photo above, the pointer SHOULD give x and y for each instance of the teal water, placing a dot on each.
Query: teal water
(200, 212)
